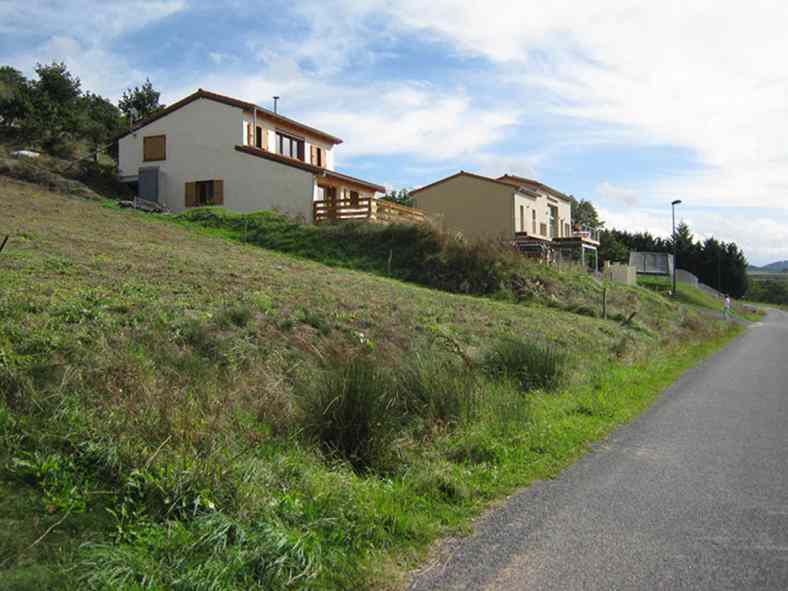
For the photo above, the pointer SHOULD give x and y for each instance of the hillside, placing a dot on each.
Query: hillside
(181, 410)
(775, 267)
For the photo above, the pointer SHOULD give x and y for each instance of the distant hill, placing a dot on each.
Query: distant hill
(776, 267)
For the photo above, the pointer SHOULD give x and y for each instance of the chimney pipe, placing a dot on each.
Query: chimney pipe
(276, 100)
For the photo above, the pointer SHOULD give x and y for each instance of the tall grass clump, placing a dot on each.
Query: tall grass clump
(531, 365)
(438, 391)
(351, 410)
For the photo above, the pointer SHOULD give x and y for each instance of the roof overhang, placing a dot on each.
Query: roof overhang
(518, 181)
(227, 100)
(353, 180)
(461, 173)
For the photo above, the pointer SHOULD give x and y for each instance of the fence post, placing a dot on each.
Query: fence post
(604, 302)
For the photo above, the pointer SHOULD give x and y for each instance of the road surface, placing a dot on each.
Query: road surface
(693, 495)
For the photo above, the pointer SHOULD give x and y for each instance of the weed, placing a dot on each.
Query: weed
(348, 411)
(531, 365)
(238, 315)
(438, 390)
(316, 321)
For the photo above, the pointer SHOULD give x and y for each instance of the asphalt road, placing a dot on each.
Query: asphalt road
(693, 495)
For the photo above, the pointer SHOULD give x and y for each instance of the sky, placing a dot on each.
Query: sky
(629, 104)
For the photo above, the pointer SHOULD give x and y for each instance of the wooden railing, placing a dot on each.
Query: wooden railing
(365, 209)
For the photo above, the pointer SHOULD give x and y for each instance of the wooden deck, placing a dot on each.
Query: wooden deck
(365, 209)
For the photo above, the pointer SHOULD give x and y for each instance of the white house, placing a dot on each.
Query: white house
(210, 149)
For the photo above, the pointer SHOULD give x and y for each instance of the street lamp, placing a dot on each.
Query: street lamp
(673, 205)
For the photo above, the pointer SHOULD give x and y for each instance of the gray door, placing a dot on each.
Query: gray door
(148, 187)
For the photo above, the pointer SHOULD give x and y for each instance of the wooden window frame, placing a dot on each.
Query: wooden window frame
(522, 218)
(258, 138)
(317, 156)
(214, 189)
(300, 144)
(533, 221)
(146, 139)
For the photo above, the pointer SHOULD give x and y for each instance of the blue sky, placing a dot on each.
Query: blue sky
(628, 104)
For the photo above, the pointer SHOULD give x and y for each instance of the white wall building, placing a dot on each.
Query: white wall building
(210, 149)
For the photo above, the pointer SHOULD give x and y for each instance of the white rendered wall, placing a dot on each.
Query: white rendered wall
(201, 140)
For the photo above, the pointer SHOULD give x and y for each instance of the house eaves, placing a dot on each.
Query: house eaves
(220, 98)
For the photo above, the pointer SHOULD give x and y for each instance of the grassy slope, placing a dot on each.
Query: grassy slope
(136, 355)
(697, 298)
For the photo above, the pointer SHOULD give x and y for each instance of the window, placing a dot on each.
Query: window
(522, 218)
(154, 148)
(533, 221)
(290, 146)
(259, 138)
(354, 199)
(202, 193)
(317, 156)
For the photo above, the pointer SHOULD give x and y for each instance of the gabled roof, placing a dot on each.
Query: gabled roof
(220, 98)
(462, 173)
(518, 181)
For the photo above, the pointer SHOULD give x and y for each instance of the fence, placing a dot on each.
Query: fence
(652, 263)
(365, 209)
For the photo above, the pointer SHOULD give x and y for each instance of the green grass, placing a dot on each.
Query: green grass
(166, 395)
(697, 298)
(423, 255)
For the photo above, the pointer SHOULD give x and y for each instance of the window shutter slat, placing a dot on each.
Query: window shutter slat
(190, 199)
(218, 192)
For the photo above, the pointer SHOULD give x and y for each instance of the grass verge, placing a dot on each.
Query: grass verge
(183, 412)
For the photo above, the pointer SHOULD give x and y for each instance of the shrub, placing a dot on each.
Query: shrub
(531, 365)
(351, 411)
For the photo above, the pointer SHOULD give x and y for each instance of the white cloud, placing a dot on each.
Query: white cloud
(623, 195)
(99, 70)
(706, 75)
(94, 20)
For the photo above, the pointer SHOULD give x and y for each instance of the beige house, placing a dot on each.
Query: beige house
(533, 216)
(480, 207)
(210, 149)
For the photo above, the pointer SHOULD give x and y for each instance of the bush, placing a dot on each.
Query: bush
(351, 411)
(531, 365)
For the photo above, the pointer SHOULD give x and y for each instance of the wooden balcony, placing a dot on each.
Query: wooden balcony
(365, 209)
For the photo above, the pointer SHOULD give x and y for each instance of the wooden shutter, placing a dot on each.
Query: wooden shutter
(218, 192)
(313, 155)
(249, 135)
(190, 199)
(154, 148)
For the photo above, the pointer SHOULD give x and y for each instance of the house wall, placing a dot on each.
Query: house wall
(477, 208)
(541, 204)
(270, 127)
(485, 209)
(201, 140)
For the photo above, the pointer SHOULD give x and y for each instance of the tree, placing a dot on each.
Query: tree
(100, 120)
(54, 104)
(585, 214)
(14, 95)
(611, 248)
(401, 197)
(140, 102)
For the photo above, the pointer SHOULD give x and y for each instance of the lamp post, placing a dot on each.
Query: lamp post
(673, 205)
